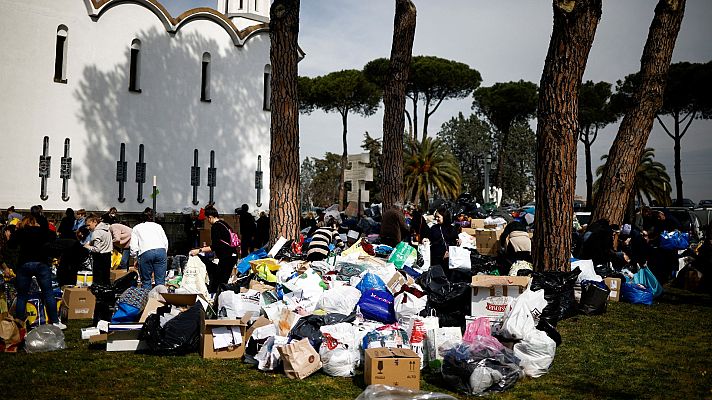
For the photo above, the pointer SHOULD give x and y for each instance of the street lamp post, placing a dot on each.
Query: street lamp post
(488, 160)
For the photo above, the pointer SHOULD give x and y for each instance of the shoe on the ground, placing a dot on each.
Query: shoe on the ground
(60, 325)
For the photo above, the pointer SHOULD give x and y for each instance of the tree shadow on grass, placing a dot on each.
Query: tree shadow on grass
(677, 296)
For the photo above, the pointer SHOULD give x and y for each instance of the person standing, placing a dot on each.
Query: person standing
(150, 245)
(99, 247)
(262, 233)
(393, 227)
(220, 243)
(32, 260)
(121, 238)
(442, 235)
(66, 225)
(248, 227)
(326, 234)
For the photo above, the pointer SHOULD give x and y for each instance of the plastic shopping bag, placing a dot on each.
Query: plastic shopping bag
(403, 254)
(459, 258)
(523, 315)
(647, 279)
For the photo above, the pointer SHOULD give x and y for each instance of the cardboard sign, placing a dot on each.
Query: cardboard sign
(392, 366)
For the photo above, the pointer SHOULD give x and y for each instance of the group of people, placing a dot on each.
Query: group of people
(30, 242)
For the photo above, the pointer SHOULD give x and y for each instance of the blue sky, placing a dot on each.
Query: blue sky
(505, 41)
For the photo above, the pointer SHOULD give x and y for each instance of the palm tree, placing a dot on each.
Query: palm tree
(651, 180)
(430, 167)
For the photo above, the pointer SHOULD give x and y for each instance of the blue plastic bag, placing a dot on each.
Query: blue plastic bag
(647, 279)
(636, 294)
(244, 264)
(377, 305)
(126, 313)
(674, 240)
(371, 282)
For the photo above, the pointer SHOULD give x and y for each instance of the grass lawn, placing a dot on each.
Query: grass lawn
(663, 351)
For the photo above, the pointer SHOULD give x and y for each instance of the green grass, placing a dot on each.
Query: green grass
(663, 351)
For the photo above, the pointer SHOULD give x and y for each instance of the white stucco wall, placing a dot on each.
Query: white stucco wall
(97, 112)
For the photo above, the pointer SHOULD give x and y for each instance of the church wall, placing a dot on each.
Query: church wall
(97, 112)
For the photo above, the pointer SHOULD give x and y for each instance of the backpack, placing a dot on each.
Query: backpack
(234, 238)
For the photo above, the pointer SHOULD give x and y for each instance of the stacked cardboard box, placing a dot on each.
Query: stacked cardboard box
(487, 241)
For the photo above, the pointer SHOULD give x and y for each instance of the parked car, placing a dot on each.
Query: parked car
(583, 217)
(689, 221)
(685, 203)
(705, 204)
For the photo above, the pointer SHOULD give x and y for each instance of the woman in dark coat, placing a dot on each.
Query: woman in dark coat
(442, 235)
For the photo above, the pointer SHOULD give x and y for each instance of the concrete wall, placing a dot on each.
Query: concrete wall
(97, 112)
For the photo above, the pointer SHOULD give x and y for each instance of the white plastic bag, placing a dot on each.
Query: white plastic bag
(459, 258)
(340, 300)
(339, 351)
(195, 277)
(536, 353)
(268, 358)
(234, 305)
(407, 304)
(522, 316)
(588, 272)
(466, 240)
(424, 250)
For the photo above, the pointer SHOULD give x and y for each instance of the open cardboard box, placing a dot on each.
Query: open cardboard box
(492, 295)
(173, 299)
(207, 349)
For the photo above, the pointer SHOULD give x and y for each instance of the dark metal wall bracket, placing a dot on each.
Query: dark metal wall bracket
(65, 171)
(212, 173)
(44, 168)
(122, 172)
(195, 177)
(258, 181)
(140, 174)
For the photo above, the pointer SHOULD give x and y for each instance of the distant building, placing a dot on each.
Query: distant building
(91, 77)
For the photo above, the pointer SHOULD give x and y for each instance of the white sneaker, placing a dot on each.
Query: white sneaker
(60, 325)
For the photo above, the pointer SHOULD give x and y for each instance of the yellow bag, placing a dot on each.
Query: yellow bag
(115, 259)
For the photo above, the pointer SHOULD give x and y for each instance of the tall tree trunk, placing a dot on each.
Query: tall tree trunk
(589, 172)
(628, 146)
(284, 131)
(678, 167)
(501, 154)
(557, 130)
(415, 111)
(426, 118)
(394, 103)
(410, 124)
(344, 160)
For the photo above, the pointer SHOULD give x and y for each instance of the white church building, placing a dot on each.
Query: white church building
(101, 96)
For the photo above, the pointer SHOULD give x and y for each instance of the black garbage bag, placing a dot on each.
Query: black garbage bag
(476, 369)
(449, 300)
(179, 336)
(558, 292)
(594, 297)
(308, 327)
(550, 331)
(482, 263)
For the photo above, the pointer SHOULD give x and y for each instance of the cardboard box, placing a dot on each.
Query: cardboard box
(397, 281)
(125, 340)
(487, 241)
(492, 295)
(469, 231)
(615, 285)
(173, 299)
(115, 274)
(477, 223)
(79, 303)
(391, 366)
(207, 349)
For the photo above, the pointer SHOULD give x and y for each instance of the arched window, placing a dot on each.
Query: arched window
(242, 5)
(135, 67)
(60, 55)
(256, 2)
(205, 78)
(267, 85)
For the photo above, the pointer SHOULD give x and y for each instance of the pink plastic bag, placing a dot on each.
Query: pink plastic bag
(478, 327)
